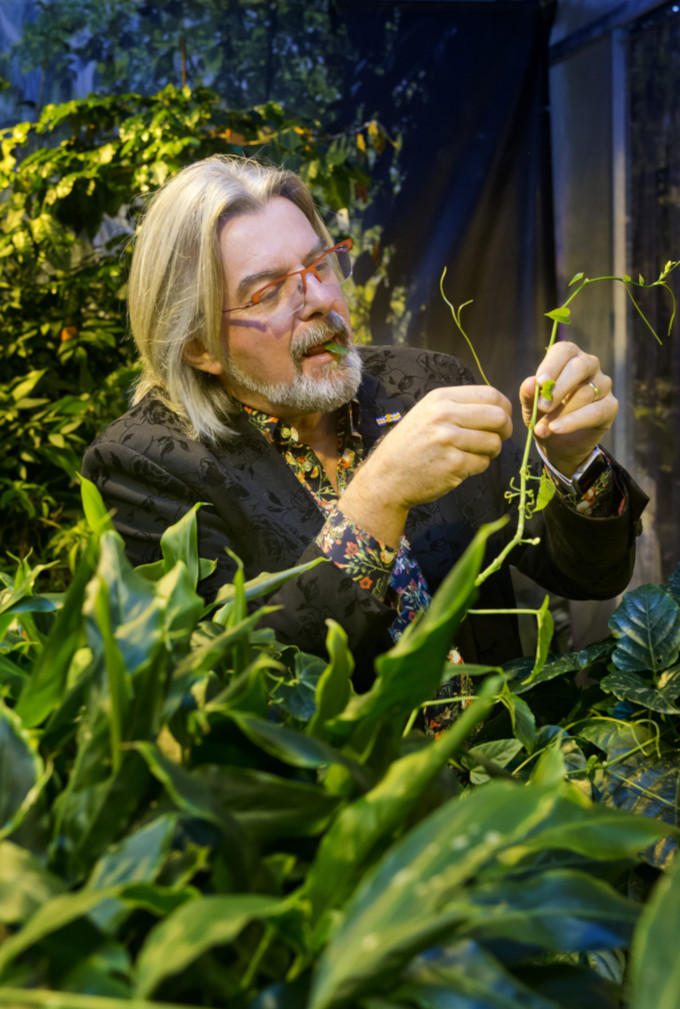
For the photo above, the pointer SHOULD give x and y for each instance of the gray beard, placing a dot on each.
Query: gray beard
(335, 383)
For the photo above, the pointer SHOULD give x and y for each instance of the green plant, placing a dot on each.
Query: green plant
(202, 816)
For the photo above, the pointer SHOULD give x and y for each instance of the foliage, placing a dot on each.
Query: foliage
(201, 816)
(249, 52)
(72, 185)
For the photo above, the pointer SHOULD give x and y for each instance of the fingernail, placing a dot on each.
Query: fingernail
(556, 425)
(542, 378)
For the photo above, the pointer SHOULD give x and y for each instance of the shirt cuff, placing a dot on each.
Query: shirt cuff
(364, 558)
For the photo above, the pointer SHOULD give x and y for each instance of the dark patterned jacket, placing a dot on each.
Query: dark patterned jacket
(150, 472)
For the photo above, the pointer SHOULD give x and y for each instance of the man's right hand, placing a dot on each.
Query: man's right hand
(449, 435)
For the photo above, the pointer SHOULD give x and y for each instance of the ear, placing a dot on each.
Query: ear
(198, 357)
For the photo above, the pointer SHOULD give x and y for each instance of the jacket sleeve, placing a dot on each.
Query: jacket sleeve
(145, 498)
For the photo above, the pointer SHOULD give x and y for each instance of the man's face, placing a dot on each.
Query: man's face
(274, 361)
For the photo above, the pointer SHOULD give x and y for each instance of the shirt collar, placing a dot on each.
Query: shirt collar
(281, 433)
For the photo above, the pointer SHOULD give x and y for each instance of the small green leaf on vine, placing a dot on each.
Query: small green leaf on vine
(575, 279)
(547, 389)
(335, 348)
(546, 492)
(560, 315)
(641, 280)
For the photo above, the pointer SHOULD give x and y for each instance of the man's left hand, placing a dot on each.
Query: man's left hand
(582, 409)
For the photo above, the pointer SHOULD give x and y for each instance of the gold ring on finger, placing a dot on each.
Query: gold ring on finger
(596, 391)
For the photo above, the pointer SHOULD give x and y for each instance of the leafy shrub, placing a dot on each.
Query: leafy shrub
(198, 813)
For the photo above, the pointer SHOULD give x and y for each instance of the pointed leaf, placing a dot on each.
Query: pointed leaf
(334, 687)
(562, 315)
(410, 672)
(647, 628)
(192, 929)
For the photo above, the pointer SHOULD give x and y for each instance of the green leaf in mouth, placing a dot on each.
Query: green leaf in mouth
(335, 348)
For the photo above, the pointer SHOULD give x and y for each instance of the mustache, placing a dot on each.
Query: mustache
(333, 327)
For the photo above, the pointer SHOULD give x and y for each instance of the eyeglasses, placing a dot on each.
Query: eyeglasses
(331, 267)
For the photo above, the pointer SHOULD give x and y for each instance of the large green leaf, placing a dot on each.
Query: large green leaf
(368, 822)
(628, 686)
(416, 893)
(410, 672)
(20, 768)
(655, 965)
(194, 928)
(647, 628)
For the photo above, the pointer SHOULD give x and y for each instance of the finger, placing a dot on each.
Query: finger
(471, 394)
(556, 359)
(476, 417)
(596, 416)
(486, 443)
(577, 371)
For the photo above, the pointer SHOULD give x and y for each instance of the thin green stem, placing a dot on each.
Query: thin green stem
(459, 325)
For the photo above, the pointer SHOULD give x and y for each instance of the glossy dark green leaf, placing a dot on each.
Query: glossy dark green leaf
(464, 975)
(20, 768)
(647, 628)
(560, 910)
(655, 965)
(296, 748)
(628, 686)
(192, 929)
(497, 751)
(297, 696)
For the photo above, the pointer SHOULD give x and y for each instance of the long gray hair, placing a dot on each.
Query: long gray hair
(177, 283)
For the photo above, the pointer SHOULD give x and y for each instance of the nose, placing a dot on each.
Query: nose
(317, 296)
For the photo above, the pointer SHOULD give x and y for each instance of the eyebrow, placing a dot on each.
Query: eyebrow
(264, 276)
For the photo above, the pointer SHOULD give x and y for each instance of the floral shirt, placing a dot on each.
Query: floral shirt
(389, 574)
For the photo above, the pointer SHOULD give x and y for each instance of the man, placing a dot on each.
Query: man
(385, 461)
